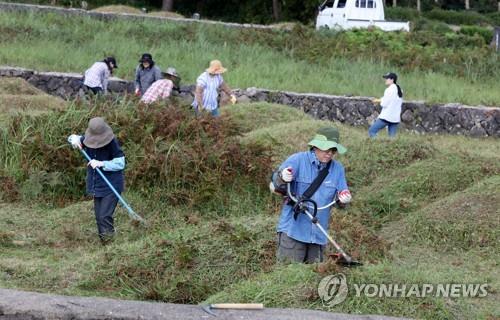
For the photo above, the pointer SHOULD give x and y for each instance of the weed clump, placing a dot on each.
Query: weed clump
(171, 154)
(9, 189)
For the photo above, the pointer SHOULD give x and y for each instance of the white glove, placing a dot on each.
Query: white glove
(96, 163)
(287, 175)
(75, 141)
(345, 196)
(233, 99)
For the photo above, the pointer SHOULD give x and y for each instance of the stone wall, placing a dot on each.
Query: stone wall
(420, 117)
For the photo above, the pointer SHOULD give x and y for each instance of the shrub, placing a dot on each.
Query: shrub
(471, 31)
(458, 17)
(423, 24)
(191, 159)
(494, 17)
(401, 13)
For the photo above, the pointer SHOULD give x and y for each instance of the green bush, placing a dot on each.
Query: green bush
(401, 14)
(494, 17)
(458, 17)
(472, 31)
(423, 24)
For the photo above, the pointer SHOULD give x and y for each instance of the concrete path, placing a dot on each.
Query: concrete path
(17, 305)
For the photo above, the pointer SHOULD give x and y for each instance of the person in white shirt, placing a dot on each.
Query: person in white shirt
(391, 102)
(96, 77)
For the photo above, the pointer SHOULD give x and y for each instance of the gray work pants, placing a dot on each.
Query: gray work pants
(291, 250)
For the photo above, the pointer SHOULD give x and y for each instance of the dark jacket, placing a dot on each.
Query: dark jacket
(96, 186)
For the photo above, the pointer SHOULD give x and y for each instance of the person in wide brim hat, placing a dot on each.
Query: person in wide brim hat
(162, 89)
(171, 74)
(206, 96)
(298, 240)
(101, 145)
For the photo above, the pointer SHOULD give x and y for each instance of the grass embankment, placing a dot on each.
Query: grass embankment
(432, 66)
(425, 210)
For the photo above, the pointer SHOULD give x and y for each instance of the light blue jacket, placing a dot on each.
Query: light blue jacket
(306, 167)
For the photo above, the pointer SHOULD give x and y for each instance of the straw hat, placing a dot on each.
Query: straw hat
(216, 67)
(98, 133)
(327, 138)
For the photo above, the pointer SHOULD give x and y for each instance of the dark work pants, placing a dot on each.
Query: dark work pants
(95, 90)
(104, 208)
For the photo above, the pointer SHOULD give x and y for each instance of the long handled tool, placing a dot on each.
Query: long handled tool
(131, 212)
(238, 306)
(303, 206)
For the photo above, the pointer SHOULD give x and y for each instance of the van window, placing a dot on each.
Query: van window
(328, 4)
(361, 3)
(372, 4)
(341, 4)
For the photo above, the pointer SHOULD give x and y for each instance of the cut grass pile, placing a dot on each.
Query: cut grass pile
(425, 210)
(118, 9)
(132, 10)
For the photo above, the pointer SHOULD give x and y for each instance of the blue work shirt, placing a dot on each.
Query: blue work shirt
(306, 166)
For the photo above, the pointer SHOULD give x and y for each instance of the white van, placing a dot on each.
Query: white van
(348, 14)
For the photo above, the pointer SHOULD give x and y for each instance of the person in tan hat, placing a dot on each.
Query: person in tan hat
(101, 145)
(207, 89)
(161, 89)
(298, 240)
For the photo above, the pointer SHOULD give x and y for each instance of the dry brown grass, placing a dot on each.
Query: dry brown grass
(118, 9)
(18, 96)
(17, 86)
(166, 14)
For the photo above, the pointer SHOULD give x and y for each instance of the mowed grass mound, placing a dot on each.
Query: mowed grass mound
(118, 9)
(18, 96)
(425, 211)
(215, 241)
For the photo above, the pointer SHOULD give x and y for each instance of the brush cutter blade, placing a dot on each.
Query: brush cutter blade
(346, 261)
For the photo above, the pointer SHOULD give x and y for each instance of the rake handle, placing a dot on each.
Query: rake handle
(247, 306)
(131, 212)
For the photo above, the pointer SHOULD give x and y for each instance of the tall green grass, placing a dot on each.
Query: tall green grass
(270, 59)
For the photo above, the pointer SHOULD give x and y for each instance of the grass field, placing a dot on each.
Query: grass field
(461, 70)
(425, 210)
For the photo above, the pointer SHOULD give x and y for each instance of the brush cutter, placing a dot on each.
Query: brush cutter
(131, 212)
(304, 205)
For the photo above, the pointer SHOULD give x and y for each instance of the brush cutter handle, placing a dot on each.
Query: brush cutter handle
(289, 193)
(131, 212)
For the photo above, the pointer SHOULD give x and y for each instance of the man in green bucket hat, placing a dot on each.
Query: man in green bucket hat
(298, 239)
